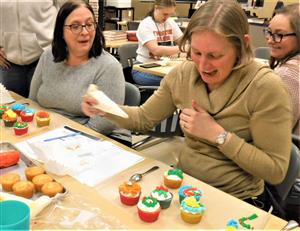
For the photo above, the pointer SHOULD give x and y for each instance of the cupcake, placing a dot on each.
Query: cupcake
(18, 107)
(8, 180)
(173, 178)
(27, 115)
(23, 189)
(42, 118)
(163, 196)
(187, 191)
(191, 210)
(50, 189)
(20, 128)
(33, 171)
(3, 108)
(40, 180)
(130, 193)
(9, 117)
(148, 209)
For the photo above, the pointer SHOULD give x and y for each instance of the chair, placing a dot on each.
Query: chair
(132, 95)
(169, 127)
(296, 140)
(279, 193)
(133, 25)
(127, 55)
(262, 52)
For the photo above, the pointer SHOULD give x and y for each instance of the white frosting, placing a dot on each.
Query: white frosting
(129, 194)
(171, 177)
(161, 197)
(144, 208)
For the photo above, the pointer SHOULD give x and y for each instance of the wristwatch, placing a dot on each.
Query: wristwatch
(221, 138)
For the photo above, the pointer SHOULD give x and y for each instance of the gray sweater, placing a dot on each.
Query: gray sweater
(60, 87)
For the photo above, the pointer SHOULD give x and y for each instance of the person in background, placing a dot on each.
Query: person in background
(77, 60)
(283, 38)
(157, 35)
(26, 30)
(235, 112)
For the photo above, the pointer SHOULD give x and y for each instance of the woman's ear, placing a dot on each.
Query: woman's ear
(247, 39)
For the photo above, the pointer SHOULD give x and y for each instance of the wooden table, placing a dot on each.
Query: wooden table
(164, 70)
(159, 71)
(104, 197)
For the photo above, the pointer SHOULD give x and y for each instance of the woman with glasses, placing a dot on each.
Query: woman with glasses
(77, 59)
(157, 35)
(235, 112)
(283, 38)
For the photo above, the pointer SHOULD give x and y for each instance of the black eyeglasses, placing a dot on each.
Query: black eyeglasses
(275, 36)
(77, 28)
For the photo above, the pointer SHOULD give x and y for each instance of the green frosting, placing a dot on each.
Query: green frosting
(20, 124)
(149, 202)
(161, 192)
(176, 171)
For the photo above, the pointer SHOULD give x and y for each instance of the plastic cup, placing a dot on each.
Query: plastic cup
(14, 215)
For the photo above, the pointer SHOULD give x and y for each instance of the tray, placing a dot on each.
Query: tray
(20, 167)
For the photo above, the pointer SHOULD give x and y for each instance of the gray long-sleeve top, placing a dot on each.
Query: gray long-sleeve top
(60, 87)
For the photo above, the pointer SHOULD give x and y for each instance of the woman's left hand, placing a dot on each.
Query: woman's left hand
(199, 123)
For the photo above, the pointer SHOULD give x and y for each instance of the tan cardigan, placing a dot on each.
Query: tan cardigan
(252, 104)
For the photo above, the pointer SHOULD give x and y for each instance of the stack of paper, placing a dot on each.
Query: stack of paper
(115, 35)
(89, 161)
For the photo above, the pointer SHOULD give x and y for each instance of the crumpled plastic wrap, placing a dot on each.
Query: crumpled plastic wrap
(73, 212)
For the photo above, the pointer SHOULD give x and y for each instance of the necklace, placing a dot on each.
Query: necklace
(159, 32)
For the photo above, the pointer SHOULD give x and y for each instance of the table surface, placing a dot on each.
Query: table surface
(117, 44)
(104, 197)
(164, 70)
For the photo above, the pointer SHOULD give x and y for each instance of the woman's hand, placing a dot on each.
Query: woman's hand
(87, 107)
(199, 123)
(3, 61)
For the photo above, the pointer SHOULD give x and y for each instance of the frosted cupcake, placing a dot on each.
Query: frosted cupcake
(9, 118)
(20, 128)
(42, 118)
(187, 191)
(191, 210)
(148, 209)
(163, 196)
(27, 115)
(18, 107)
(173, 178)
(130, 193)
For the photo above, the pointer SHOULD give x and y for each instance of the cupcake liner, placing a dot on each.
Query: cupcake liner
(174, 184)
(27, 118)
(190, 217)
(43, 122)
(147, 216)
(129, 200)
(164, 204)
(9, 123)
(21, 131)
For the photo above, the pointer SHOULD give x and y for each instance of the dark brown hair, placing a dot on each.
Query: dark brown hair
(59, 46)
(292, 12)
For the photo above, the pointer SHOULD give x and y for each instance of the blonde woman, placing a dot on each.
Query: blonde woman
(283, 38)
(235, 115)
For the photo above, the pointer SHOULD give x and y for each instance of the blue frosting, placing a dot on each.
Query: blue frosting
(232, 222)
(18, 106)
(197, 193)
